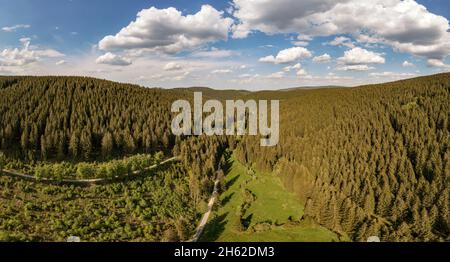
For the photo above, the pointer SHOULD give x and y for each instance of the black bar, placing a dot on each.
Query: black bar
(303, 251)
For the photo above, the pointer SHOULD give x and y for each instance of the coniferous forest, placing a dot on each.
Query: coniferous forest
(365, 161)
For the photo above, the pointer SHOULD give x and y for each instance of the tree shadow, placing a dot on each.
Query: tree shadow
(246, 221)
(214, 228)
(226, 199)
(228, 163)
(231, 181)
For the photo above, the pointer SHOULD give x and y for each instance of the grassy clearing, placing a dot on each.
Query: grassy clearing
(256, 207)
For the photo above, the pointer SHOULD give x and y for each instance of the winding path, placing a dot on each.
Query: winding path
(205, 218)
(15, 173)
(201, 225)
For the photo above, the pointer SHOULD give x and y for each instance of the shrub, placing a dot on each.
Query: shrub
(85, 170)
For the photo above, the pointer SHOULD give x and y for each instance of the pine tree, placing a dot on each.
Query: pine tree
(107, 144)
(43, 148)
(2, 161)
(425, 226)
(86, 143)
(73, 145)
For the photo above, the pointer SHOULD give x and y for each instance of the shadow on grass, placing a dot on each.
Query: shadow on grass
(226, 168)
(226, 199)
(231, 182)
(246, 221)
(214, 228)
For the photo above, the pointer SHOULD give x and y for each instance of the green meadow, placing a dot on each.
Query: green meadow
(255, 207)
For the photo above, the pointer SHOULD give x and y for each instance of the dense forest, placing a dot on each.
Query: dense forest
(369, 160)
(76, 127)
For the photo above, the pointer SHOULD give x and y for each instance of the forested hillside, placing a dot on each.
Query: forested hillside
(58, 127)
(86, 119)
(371, 160)
(64, 117)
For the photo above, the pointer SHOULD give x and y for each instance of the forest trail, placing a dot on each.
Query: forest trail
(15, 173)
(205, 217)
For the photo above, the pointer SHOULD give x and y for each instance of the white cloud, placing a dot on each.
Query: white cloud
(302, 73)
(407, 64)
(172, 66)
(437, 63)
(294, 67)
(168, 31)
(304, 38)
(267, 46)
(213, 53)
(360, 56)
(182, 76)
(287, 56)
(274, 16)
(277, 75)
(26, 55)
(61, 62)
(51, 53)
(222, 71)
(355, 68)
(342, 41)
(245, 76)
(334, 77)
(14, 28)
(322, 58)
(404, 25)
(113, 59)
(391, 74)
(300, 43)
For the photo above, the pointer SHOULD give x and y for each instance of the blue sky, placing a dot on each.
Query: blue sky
(226, 44)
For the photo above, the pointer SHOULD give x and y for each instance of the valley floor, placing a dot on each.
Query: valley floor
(256, 207)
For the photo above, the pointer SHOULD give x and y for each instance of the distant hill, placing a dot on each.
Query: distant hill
(210, 93)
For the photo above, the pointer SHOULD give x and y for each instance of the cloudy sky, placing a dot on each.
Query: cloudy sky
(245, 44)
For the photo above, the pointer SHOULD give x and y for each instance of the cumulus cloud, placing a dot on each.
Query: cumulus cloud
(277, 75)
(14, 28)
(392, 74)
(300, 43)
(404, 25)
(51, 53)
(407, 64)
(222, 71)
(334, 77)
(294, 67)
(213, 53)
(322, 58)
(437, 63)
(172, 66)
(26, 55)
(113, 59)
(302, 73)
(274, 16)
(287, 56)
(342, 41)
(355, 68)
(360, 56)
(61, 62)
(168, 31)
(182, 76)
